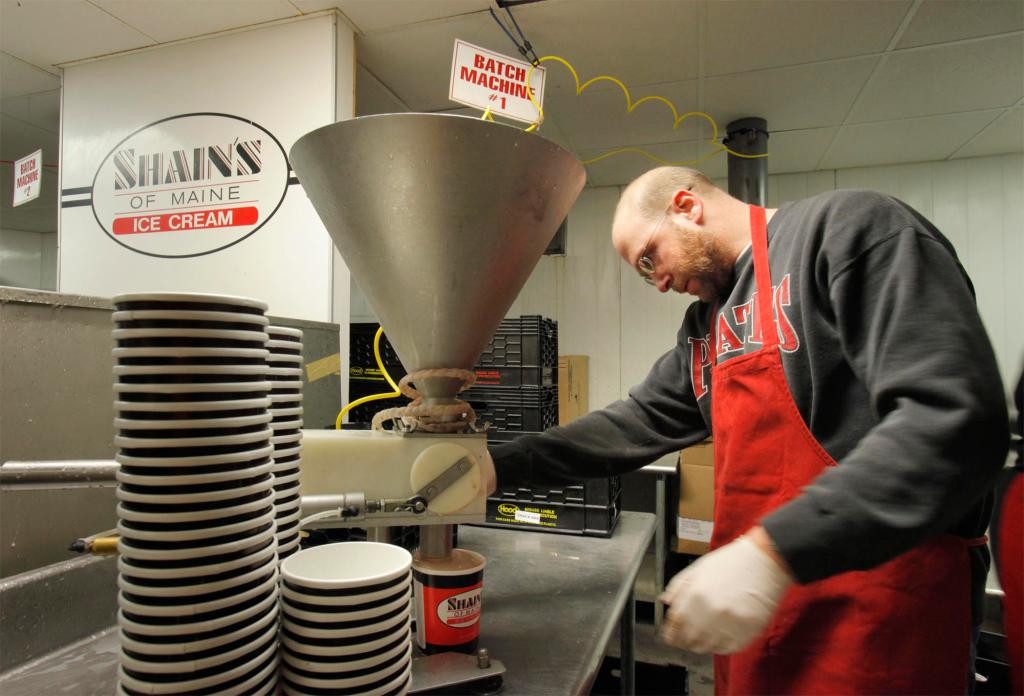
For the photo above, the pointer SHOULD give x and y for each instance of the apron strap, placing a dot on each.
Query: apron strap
(763, 277)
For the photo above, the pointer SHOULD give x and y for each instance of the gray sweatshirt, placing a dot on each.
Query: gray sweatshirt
(887, 361)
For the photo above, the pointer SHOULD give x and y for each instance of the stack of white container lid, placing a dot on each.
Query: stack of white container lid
(285, 363)
(345, 620)
(197, 566)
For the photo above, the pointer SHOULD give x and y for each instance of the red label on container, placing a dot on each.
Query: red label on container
(488, 377)
(186, 220)
(451, 615)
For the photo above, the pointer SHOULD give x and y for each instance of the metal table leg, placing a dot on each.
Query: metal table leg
(659, 549)
(627, 640)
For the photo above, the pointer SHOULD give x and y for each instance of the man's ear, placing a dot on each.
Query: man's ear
(689, 205)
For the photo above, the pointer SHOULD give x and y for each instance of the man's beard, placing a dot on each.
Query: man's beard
(706, 262)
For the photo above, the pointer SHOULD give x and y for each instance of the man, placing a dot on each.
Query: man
(838, 361)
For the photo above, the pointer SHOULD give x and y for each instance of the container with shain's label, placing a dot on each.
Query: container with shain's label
(448, 601)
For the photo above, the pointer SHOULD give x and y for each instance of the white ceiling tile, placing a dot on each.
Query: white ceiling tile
(621, 169)
(753, 34)
(910, 140)
(382, 15)
(806, 96)
(415, 63)
(600, 120)
(18, 77)
(937, 21)
(968, 76)
(170, 20)
(1006, 134)
(640, 42)
(58, 31)
(798, 150)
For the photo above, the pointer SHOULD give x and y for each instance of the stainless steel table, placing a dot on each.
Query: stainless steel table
(550, 605)
(551, 601)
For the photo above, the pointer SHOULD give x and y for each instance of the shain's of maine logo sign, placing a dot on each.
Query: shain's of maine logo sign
(190, 185)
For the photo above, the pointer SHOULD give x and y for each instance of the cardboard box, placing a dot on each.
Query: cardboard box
(696, 499)
(573, 379)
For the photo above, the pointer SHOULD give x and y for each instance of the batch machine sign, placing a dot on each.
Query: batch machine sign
(487, 80)
(28, 178)
(190, 185)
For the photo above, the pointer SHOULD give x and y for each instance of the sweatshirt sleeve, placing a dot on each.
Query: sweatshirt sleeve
(659, 416)
(908, 326)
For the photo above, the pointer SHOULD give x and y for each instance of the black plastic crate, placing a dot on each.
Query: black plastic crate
(515, 376)
(603, 491)
(360, 346)
(558, 518)
(529, 340)
(515, 408)
(362, 373)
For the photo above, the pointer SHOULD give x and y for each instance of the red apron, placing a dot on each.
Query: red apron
(900, 628)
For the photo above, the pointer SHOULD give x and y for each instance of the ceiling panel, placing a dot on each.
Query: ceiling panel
(415, 63)
(966, 76)
(641, 42)
(807, 96)
(949, 20)
(59, 31)
(1006, 134)
(753, 34)
(373, 15)
(618, 170)
(170, 20)
(798, 150)
(18, 77)
(600, 120)
(910, 140)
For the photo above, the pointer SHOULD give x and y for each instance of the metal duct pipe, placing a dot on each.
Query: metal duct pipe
(748, 177)
(58, 472)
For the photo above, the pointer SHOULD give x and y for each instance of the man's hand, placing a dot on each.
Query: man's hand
(726, 598)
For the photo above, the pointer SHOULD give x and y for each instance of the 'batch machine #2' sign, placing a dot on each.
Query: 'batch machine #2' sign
(190, 185)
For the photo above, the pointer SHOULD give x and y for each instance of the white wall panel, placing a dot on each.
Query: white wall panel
(624, 325)
(48, 268)
(285, 79)
(21, 258)
(1013, 266)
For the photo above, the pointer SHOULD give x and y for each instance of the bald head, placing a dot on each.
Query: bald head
(649, 195)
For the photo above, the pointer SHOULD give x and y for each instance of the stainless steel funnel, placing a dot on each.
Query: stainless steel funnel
(441, 220)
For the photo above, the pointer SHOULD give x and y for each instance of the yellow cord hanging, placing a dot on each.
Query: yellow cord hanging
(630, 105)
(373, 397)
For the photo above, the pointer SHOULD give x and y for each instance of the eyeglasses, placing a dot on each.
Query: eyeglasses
(644, 264)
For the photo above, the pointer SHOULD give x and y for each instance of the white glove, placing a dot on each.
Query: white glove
(724, 600)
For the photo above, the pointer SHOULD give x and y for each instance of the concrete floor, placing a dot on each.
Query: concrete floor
(650, 649)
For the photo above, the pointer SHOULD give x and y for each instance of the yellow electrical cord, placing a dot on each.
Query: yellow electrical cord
(372, 397)
(630, 105)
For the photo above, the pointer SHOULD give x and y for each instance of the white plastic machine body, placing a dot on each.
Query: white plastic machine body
(383, 469)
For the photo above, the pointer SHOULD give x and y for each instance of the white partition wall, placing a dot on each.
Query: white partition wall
(175, 173)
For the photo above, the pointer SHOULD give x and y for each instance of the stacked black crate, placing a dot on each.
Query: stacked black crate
(516, 391)
(365, 378)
